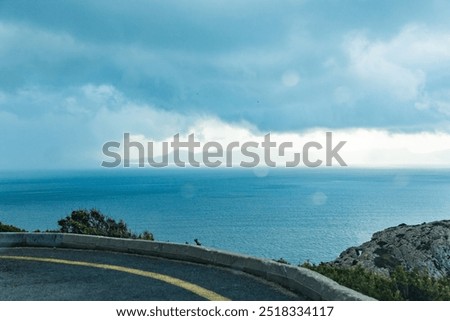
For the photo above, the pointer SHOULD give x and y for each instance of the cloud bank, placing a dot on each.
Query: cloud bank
(75, 75)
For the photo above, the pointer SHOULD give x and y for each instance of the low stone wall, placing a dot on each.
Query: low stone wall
(297, 279)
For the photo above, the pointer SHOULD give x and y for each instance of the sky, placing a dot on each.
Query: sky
(77, 74)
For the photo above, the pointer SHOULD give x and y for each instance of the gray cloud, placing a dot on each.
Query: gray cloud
(98, 67)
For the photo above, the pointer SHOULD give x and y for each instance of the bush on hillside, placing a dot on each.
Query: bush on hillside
(9, 228)
(93, 222)
(401, 285)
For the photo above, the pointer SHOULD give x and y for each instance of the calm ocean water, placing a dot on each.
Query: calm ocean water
(295, 214)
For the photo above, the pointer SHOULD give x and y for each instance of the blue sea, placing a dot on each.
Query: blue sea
(295, 214)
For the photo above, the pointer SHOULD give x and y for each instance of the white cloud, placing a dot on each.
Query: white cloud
(66, 136)
(370, 147)
(363, 148)
(401, 65)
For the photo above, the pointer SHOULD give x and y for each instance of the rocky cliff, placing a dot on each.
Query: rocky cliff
(425, 247)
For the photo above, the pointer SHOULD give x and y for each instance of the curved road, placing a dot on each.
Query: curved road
(63, 274)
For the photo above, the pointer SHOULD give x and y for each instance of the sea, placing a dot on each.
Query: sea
(295, 214)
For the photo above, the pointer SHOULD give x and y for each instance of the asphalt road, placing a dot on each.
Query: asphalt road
(63, 274)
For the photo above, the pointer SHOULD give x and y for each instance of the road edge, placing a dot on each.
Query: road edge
(297, 279)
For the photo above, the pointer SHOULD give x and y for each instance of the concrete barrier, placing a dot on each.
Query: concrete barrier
(299, 280)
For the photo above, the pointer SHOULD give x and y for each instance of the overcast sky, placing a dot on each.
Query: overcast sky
(75, 74)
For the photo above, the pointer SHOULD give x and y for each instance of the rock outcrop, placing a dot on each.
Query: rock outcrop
(425, 247)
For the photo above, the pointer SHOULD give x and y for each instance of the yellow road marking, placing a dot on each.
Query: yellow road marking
(205, 293)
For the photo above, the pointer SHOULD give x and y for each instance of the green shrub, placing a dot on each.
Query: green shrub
(146, 235)
(9, 228)
(401, 285)
(93, 222)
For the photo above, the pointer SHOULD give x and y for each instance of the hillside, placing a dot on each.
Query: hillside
(424, 247)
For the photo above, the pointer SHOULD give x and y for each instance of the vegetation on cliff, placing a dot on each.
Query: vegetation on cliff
(93, 222)
(90, 222)
(400, 285)
(9, 228)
